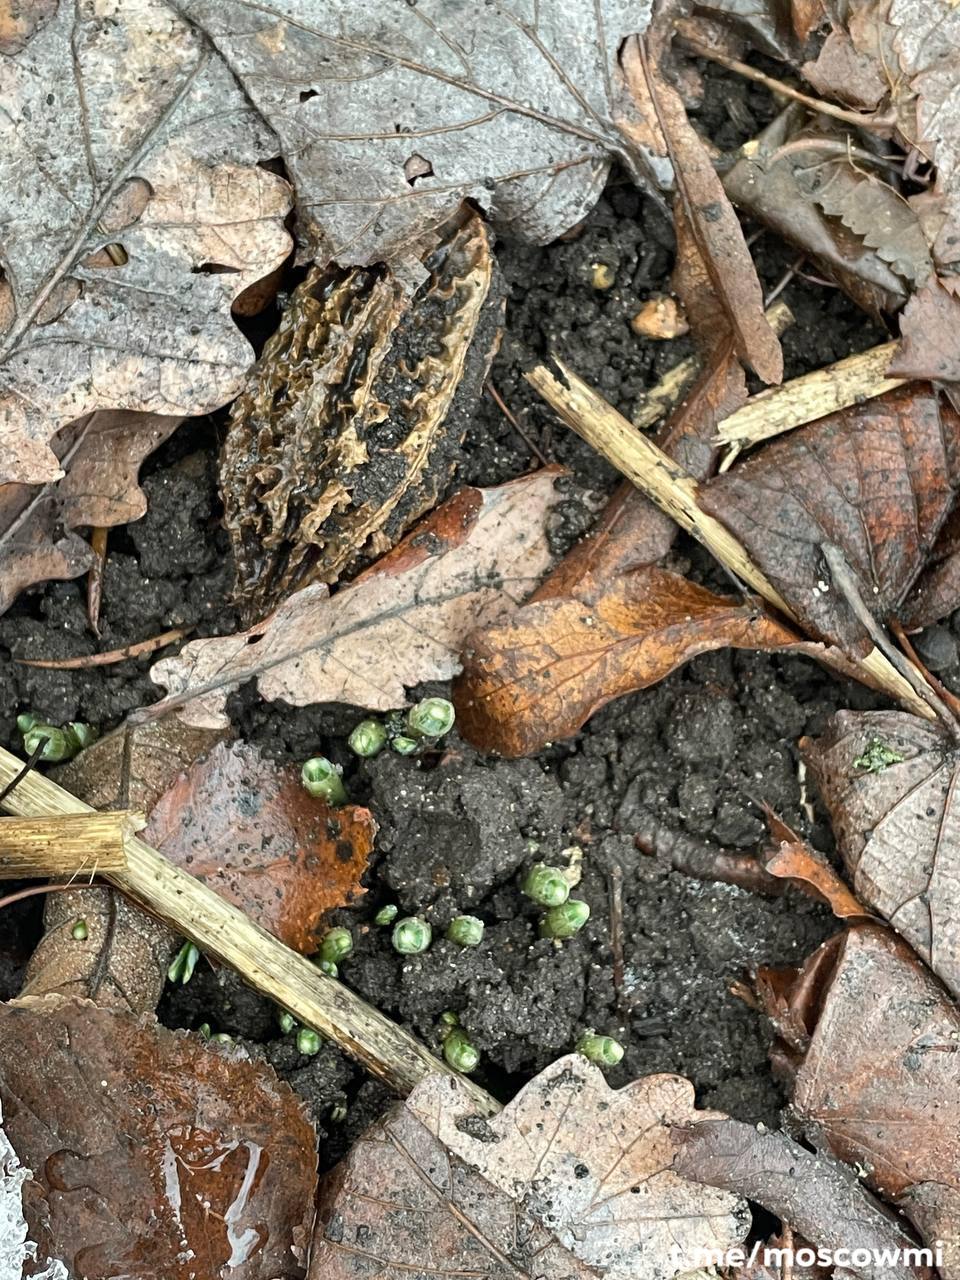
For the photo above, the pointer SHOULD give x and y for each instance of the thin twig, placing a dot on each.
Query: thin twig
(498, 400)
(616, 929)
(15, 782)
(903, 640)
(35, 890)
(785, 279)
(703, 861)
(846, 584)
(138, 650)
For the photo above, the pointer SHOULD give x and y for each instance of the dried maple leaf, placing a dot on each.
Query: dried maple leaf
(101, 456)
(571, 1179)
(821, 1200)
(543, 672)
(874, 481)
(246, 827)
(518, 109)
(883, 1099)
(890, 783)
(401, 622)
(152, 1154)
(348, 429)
(123, 959)
(132, 211)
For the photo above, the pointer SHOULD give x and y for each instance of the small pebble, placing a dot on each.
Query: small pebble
(936, 648)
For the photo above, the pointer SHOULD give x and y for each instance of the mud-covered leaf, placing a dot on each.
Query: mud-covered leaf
(929, 335)
(123, 959)
(401, 622)
(884, 1098)
(132, 211)
(937, 590)
(101, 457)
(891, 784)
(773, 185)
(510, 104)
(790, 858)
(543, 672)
(873, 481)
(246, 827)
(350, 424)
(151, 1153)
(821, 1200)
(571, 1179)
(706, 209)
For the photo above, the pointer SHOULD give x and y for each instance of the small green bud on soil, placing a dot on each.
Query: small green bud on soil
(411, 935)
(387, 914)
(322, 780)
(329, 967)
(564, 921)
(287, 1022)
(58, 744)
(447, 1020)
(26, 720)
(336, 945)
(204, 1030)
(308, 1042)
(183, 964)
(459, 1052)
(603, 1050)
(431, 718)
(546, 885)
(466, 931)
(79, 931)
(368, 738)
(338, 1113)
(404, 746)
(221, 1038)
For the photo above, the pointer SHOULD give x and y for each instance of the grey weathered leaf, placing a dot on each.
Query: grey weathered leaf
(391, 114)
(898, 824)
(132, 210)
(572, 1180)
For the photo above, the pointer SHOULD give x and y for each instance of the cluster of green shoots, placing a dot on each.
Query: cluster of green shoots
(459, 1051)
(56, 743)
(550, 887)
(409, 935)
(405, 732)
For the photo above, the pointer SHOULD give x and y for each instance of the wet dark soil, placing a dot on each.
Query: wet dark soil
(699, 752)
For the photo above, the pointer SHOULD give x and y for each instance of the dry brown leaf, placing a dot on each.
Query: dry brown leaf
(543, 672)
(571, 1179)
(707, 210)
(890, 783)
(822, 1201)
(152, 1154)
(246, 827)
(885, 1097)
(937, 590)
(929, 335)
(101, 456)
(874, 481)
(790, 858)
(401, 622)
(123, 959)
(124, 139)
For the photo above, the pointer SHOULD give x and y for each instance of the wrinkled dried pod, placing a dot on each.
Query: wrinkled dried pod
(350, 426)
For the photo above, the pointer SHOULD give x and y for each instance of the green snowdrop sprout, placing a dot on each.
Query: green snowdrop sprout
(183, 964)
(431, 718)
(308, 1042)
(564, 921)
(367, 739)
(466, 931)
(387, 914)
(322, 780)
(458, 1052)
(546, 885)
(411, 935)
(603, 1050)
(336, 945)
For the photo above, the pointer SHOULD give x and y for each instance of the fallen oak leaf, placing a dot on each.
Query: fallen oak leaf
(876, 481)
(883, 1099)
(522, 119)
(246, 827)
(401, 622)
(148, 1149)
(821, 1199)
(122, 961)
(543, 672)
(101, 456)
(936, 592)
(132, 211)
(890, 784)
(571, 1179)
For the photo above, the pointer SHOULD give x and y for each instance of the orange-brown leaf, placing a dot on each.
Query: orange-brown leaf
(542, 673)
(152, 1154)
(791, 858)
(246, 827)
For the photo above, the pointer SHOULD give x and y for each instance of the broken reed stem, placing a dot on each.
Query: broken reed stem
(814, 395)
(670, 390)
(675, 492)
(80, 845)
(224, 932)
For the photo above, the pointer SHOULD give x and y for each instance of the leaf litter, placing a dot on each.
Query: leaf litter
(876, 484)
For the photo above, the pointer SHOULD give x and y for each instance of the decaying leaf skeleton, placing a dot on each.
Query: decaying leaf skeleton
(350, 424)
